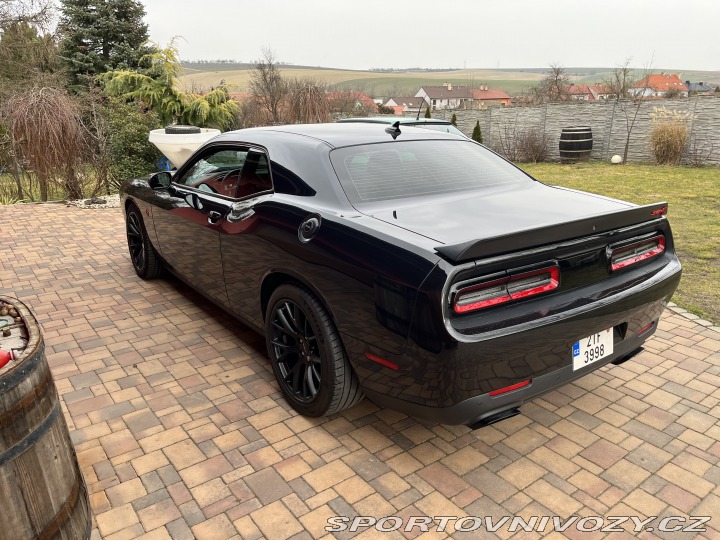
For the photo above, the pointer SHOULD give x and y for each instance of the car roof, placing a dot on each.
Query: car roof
(392, 120)
(334, 135)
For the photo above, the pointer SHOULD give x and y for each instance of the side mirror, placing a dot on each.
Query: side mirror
(160, 180)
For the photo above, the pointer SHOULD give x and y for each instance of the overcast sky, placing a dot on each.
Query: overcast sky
(682, 34)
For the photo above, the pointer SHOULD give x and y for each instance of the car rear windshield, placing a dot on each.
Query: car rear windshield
(401, 169)
(445, 128)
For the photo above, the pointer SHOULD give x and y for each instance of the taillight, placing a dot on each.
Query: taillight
(503, 290)
(642, 250)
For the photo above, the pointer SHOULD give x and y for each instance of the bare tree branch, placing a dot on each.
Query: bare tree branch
(267, 85)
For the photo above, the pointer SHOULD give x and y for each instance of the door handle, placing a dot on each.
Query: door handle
(213, 216)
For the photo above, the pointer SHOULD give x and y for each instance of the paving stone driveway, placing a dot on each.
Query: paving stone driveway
(181, 431)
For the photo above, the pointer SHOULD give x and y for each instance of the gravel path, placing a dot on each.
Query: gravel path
(109, 201)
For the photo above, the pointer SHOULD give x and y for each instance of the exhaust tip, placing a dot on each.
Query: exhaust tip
(493, 418)
(627, 357)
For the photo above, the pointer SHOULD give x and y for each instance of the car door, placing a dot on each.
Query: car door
(194, 208)
(246, 253)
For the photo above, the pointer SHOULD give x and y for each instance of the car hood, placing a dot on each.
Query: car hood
(494, 212)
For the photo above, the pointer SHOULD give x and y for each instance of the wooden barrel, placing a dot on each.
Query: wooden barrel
(575, 144)
(42, 490)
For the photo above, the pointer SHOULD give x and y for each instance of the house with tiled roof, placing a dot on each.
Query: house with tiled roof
(402, 105)
(579, 92)
(659, 85)
(484, 95)
(351, 102)
(601, 91)
(699, 88)
(447, 96)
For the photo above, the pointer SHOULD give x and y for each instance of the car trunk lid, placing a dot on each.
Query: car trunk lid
(497, 221)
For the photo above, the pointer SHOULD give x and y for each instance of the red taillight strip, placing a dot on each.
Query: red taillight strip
(382, 361)
(502, 297)
(654, 252)
(646, 329)
(510, 388)
(506, 292)
(554, 272)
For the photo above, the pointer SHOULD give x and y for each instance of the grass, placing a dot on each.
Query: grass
(31, 189)
(694, 213)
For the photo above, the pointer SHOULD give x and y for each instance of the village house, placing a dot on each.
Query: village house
(405, 105)
(446, 96)
(659, 86)
(699, 88)
(484, 96)
(579, 92)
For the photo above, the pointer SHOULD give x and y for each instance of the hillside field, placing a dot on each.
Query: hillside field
(203, 76)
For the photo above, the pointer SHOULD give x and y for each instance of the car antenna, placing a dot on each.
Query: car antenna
(418, 114)
(394, 129)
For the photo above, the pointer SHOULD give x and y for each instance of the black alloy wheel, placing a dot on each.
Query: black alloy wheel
(296, 351)
(144, 258)
(307, 355)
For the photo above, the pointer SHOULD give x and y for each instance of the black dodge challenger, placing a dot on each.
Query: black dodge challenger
(415, 267)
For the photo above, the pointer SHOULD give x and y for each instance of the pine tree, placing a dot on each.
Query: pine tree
(427, 112)
(28, 57)
(101, 35)
(477, 133)
(453, 120)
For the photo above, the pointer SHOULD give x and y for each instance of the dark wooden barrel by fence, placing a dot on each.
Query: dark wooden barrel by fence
(42, 489)
(575, 144)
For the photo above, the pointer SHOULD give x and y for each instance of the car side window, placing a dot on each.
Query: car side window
(217, 171)
(255, 175)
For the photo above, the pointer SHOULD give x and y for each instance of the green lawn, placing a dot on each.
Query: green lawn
(694, 213)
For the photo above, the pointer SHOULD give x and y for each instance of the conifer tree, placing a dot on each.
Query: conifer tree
(427, 112)
(477, 133)
(101, 35)
(155, 86)
(27, 56)
(453, 120)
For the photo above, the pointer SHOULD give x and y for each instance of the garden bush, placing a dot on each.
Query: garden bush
(669, 135)
(129, 152)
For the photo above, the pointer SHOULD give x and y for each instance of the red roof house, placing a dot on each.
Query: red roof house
(659, 85)
(490, 96)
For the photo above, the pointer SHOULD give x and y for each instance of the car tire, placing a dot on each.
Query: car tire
(144, 258)
(307, 355)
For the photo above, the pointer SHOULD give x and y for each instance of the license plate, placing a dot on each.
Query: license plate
(592, 348)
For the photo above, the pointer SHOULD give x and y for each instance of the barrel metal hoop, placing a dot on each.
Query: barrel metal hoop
(19, 374)
(18, 449)
(22, 405)
(52, 528)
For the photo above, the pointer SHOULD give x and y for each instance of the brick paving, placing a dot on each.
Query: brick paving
(181, 430)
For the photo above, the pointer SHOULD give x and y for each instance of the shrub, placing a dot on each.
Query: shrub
(529, 146)
(427, 112)
(453, 120)
(47, 133)
(129, 152)
(477, 133)
(532, 146)
(699, 151)
(669, 135)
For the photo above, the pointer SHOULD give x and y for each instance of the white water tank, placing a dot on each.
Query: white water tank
(177, 143)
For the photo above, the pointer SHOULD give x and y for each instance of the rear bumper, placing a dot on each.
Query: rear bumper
(448, 381)
(476, 410)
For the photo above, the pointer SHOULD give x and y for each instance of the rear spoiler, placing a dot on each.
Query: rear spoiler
(498, 245)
